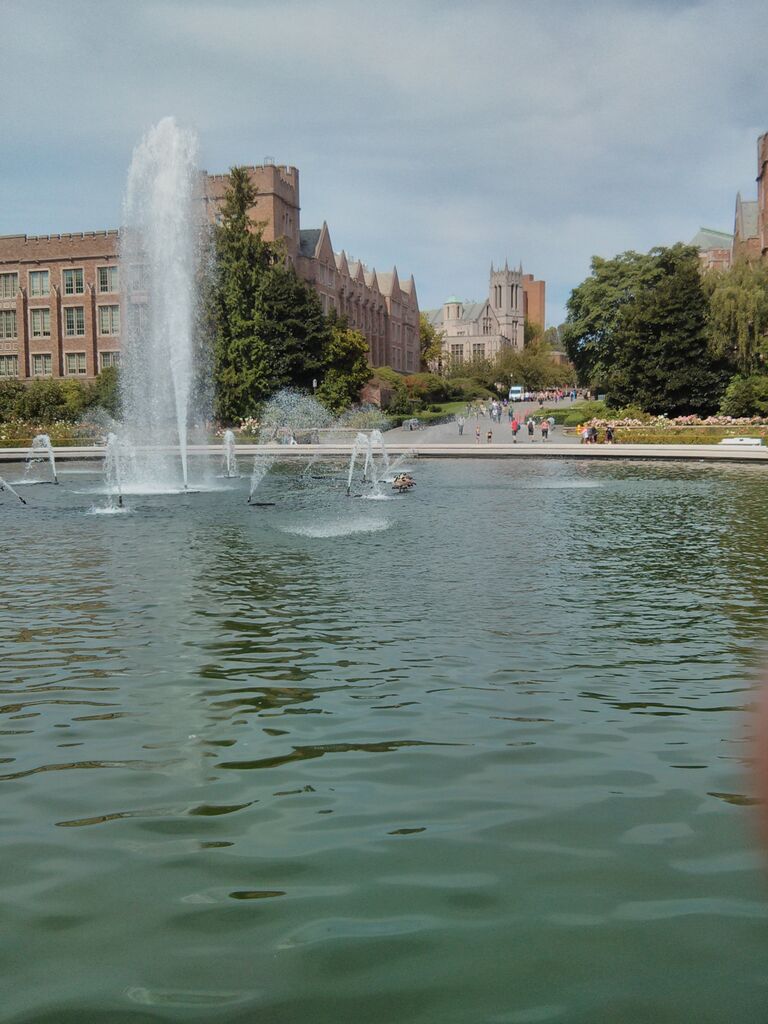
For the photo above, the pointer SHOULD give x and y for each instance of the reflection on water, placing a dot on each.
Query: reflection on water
(475, 755)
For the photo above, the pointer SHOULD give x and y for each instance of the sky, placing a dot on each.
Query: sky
(434, 136)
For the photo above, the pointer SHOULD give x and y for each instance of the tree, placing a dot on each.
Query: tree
(594, 311)
(430, 344)
(637, 328)
(289, 322)
(661, 357)
(532, 332)
(746, 396)
(345, 368)
(241, 357)
(738, 314)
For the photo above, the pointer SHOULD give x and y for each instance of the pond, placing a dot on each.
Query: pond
(475, 753)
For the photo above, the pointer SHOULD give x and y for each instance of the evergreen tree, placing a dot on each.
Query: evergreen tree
(241, 356)
(289, 318)
(662, 359)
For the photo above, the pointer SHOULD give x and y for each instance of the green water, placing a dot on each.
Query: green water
(474, 754)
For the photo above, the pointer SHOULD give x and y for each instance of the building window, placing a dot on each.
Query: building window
(41, 364)
(39, 283)
(478, 350)
(486, 325)
(41, 323)
(457, 353)
(9, 366)
(76, 363)
(107, 279)
(138, 318)
(73, 282)
(74, 321)
(139, 277)
(109, 359)
(7, 323)
(109, 319)
(9, 285)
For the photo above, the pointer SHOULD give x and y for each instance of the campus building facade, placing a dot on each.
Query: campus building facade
(62, 302)
(480, 330)
(749, 240)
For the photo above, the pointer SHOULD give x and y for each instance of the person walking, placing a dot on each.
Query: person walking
(609, 435)
(531, 426)
(460, 422)
(515, 427)
(544, 429)
(477, 434)
(489, 437)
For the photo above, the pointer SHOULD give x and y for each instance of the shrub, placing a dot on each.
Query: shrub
(746, 396)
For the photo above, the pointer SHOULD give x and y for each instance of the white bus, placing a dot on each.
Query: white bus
(516, 393)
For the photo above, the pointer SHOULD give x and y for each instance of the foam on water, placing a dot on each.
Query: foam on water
(337, 528)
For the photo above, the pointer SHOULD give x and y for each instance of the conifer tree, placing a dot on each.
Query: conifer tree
(242, 360)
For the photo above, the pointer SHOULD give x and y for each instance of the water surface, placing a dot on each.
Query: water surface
(475, 753)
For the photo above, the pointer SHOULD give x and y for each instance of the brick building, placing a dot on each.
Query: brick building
(480, 330)
(61, 301)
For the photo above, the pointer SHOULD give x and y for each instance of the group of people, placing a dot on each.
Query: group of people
(589, 435)
(529, 424)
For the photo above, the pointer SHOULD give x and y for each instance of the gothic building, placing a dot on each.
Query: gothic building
(480, 330)
(61, 300)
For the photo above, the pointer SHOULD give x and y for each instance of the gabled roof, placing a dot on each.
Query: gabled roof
(341, 262)
(308, 239)
(708, 238)
(389, 283)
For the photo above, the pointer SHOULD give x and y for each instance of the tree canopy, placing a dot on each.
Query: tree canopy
(637, 328)
(738, 314)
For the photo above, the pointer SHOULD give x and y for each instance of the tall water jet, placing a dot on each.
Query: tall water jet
(113, 471)
(230, 460)
(41, 451)
(158, 262)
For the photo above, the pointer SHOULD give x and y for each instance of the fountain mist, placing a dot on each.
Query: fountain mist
(158, 262)
(41, 451)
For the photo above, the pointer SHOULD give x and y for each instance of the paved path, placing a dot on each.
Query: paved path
(448, 433)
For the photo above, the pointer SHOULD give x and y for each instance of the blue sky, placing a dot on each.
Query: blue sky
(437, 136)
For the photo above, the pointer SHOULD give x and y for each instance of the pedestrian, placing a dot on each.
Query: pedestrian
(531, 426)
(609, 435)
(477, 434)
(544, 429)
(460, 421)
(489, 436)
(584, 433)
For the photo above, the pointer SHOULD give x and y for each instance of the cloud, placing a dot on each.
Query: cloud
(437, 136)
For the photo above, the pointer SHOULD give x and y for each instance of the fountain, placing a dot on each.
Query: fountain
(113, 470)
(5, 486)
(261, 466)
(230, 461)
(41, 451)
(158, 261)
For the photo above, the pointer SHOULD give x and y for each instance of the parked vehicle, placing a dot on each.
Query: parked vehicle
(516, 393)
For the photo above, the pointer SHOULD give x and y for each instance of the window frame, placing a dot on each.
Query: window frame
(8, 356)
(111, 270)
(3, 275)
(7, 313)
(77, 372)
(39, 295)
(42, 356)
(39, 310)
(73, 334)
(114, 311)
(72, 270)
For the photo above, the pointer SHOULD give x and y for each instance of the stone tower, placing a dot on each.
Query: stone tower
(505, 295)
